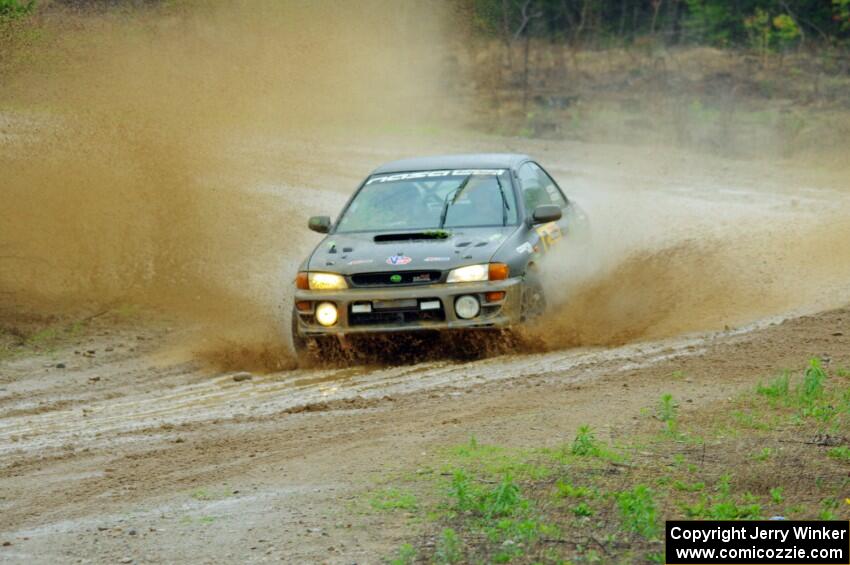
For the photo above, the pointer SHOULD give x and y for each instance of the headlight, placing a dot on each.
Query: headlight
(326, 281)
(469, 274)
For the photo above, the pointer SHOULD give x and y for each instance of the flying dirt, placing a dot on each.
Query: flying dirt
(158, 173)
(168, 180)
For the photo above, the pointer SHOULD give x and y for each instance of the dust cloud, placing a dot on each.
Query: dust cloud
(659, 281)
(133, 147)
(169, 157)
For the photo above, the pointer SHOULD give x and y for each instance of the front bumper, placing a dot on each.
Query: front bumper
(387, 318)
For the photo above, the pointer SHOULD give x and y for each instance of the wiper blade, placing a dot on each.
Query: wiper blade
(505, 205)
(451, 198)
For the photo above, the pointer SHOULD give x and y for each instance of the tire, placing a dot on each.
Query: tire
(300, 344)
(310, 351)
(533, 298)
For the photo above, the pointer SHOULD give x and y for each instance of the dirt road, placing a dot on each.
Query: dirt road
(122, 443)
(123, 456)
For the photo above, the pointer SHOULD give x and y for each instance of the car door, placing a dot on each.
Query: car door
(538, 188)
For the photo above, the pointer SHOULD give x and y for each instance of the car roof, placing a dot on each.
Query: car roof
(458, 161)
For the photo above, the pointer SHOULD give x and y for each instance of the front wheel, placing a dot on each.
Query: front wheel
(314, 350)
(533, 298)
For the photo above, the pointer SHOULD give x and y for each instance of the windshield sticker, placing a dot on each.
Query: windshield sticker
(436, 259)
(360, 261)
(435, 174)
(398, 260)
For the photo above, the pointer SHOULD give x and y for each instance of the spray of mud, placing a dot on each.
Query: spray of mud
(614, 290)
(169, 157)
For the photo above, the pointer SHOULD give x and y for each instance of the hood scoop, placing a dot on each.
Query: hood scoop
(412, 236)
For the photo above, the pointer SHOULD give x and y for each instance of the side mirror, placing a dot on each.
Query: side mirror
(321, 224)
(546, 213)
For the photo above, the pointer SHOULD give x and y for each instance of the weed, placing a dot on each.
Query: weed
(666, 412)
(504, 500)
(829, 506)
(44, 336)
(826, 515)
(585, 442)
(567, 490)
(667, 408)
(763, 455)
(776, 495)
(204, 494)
(685, 487)
(749, 420)
(581, 510)
(461, 490)
(813, 380)
(637, 507)
(729, 510)
(842, 372)
(393, 499)
(448, 548)
(724, 485)
(406, 555)
(842, 453)
(777, 388)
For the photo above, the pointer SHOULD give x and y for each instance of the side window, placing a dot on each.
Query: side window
(538, 188)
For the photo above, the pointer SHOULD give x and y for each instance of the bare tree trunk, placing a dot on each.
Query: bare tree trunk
(623, 8)
(526, 49)
(656, 7)
(506, 32)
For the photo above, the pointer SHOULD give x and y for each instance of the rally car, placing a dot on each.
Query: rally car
(436, 243)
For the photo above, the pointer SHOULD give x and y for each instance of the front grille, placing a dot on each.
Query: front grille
(405, 316)
(386, 279)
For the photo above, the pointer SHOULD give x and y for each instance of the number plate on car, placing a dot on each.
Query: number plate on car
(401, 304)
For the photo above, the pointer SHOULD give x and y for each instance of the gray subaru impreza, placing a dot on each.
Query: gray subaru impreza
(447, 243)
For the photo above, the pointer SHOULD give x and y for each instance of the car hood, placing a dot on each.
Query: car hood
(364, 252)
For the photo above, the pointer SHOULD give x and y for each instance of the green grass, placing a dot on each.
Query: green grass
(205, 494)
(582, 509)
(502, 505)
(777, 388)
(667, 412)
(585, 443)
(406, 555)
(448, 548)
(638, 511)
(393, 499)
(568, 490)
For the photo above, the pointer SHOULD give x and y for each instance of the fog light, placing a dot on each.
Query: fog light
(326, 314)
(467, 307)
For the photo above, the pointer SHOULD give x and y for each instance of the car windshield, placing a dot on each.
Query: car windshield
(432, 200)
